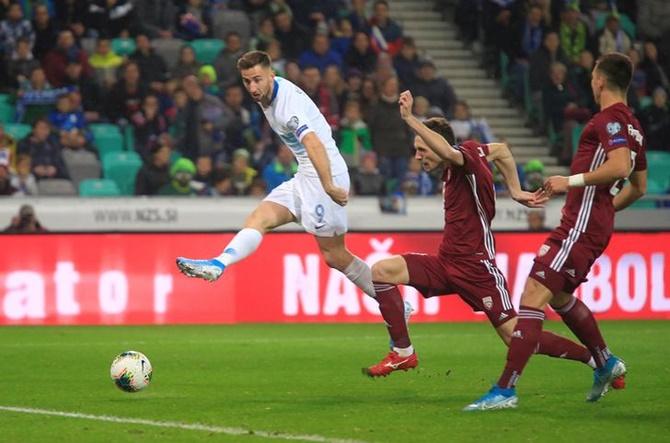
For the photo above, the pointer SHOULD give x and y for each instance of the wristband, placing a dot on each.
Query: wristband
(576, 181)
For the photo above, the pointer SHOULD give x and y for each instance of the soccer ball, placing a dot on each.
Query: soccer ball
(131, 371)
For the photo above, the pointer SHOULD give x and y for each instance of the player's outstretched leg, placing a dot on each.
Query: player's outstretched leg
(402, 355)
(243, 244)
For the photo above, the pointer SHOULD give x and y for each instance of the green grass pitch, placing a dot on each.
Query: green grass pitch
(305, 380)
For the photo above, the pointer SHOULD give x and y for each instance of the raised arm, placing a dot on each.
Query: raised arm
(629, 194)
(319, 158)
(502, 158)
(435, 141)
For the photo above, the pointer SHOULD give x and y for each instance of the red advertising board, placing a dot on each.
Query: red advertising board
(132, 279)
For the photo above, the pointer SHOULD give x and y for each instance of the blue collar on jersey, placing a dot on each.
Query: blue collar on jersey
(275, 89)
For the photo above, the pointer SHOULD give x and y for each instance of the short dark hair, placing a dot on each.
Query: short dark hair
(253, 58)
(617, 68)
(442, 127)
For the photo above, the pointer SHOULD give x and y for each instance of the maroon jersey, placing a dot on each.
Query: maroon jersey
(469, 205)
(588, 214)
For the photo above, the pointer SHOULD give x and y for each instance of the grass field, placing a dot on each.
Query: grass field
(303, 382)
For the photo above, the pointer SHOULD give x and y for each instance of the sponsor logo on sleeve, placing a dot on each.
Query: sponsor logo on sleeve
(613, 128)
(616, 141)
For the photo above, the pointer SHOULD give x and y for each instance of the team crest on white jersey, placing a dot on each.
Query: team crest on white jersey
(293, 123)
(613, 128)
(488, 302)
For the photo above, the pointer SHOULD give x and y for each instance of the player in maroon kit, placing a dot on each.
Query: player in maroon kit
(611, 150)
(465, 263)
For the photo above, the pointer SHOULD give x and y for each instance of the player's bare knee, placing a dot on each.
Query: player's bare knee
(381, 272)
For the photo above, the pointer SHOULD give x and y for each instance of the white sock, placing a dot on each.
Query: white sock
(241, 246)
(361, 275)
(592, 363)
(404, 352)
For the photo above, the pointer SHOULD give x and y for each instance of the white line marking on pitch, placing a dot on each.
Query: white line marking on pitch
(180, 425)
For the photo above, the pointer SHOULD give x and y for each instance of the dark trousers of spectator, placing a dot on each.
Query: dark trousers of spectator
(393, 169)
(518, 73)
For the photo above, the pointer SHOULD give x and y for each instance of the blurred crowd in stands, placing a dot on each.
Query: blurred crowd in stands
(122, 97)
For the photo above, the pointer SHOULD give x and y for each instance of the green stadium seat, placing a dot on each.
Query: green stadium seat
(7, 112)
(658, 165)
(6, 98)
(123, 46)
(206, 49)
(17, 130)
(129, 138)
(122, 167)
(576, 133)
(106, 138)
(99, 188)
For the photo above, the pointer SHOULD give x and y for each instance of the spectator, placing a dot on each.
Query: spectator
(527, 40)
(556, 96)
(342, 37)
(226, 61)
(194, 20)
(208, 80)
(466, 127)
(65, 52)
(186, 65)
(71, 15)
(390, 138)
(367, 180)
(653, 18)
(258, 188)
(203, 121)
(111, 18)
(152, 66)
(535, 220)
(237, 120)
(37, 97)
(13, 28)
(126, 97)
(360, 55)
(358, 15)
(293, 72)
(638, 83)
(574, 33)
(613, 38)
(21, 64)
(352, 87)
(282, 168)
(155, 172)
(148, 124)
(354, 135)
(181, 174)
(242, 174)
(6, 187)
(320, 55)
(278, 63)
(656, 122)
(332, 80)
(422, 108)
(549, 53)
(437, 90)
(89, 94)
(580, 77)
(291, 35)
(369, 95)
(383, 68)
(25, 222)
(407, 63)
(223, 183)
(416, 180)
(45, 151)
(655, 74)
(385, 33)
(105, 62)
(45, 31)
(156, 18)
(202, 181)
(533, 175)
(264, 35)
(23, 180)
(8, 144)
(321, 96)
(65, 118)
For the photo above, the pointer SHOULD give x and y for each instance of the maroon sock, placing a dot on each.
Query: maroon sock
(393, 310)
(581, 322)
(560, 347)
(525, 339)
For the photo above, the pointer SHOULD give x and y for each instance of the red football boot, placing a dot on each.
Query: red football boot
(392, 362)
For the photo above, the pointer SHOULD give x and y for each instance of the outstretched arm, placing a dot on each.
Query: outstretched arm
(435, 141)
(501, 156)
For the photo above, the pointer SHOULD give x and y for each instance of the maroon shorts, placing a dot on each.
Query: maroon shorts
(478, 282)
(561, 266)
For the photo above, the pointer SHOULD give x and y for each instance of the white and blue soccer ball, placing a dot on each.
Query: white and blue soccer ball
(131, 371)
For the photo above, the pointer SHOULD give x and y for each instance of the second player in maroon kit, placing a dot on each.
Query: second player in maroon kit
(611, 150)
(465, 263)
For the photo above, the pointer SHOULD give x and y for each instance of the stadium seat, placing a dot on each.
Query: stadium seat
(56, 187)
(624, 21)
(106, 138)
(7, 112)
(94, 187)
(658, 164)
(81, 165)
(576, 133)
(5, 98)
(122, 167)
(168, 48)
(129, 138)
(17, 130)
(206, 49)
(230, 20)
(123, 46)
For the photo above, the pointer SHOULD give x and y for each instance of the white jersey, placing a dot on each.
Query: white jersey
(292, 115)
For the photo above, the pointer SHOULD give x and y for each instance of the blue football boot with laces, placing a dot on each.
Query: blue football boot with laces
(603, 377)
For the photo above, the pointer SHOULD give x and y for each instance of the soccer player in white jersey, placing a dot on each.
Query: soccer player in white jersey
(314, 197)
